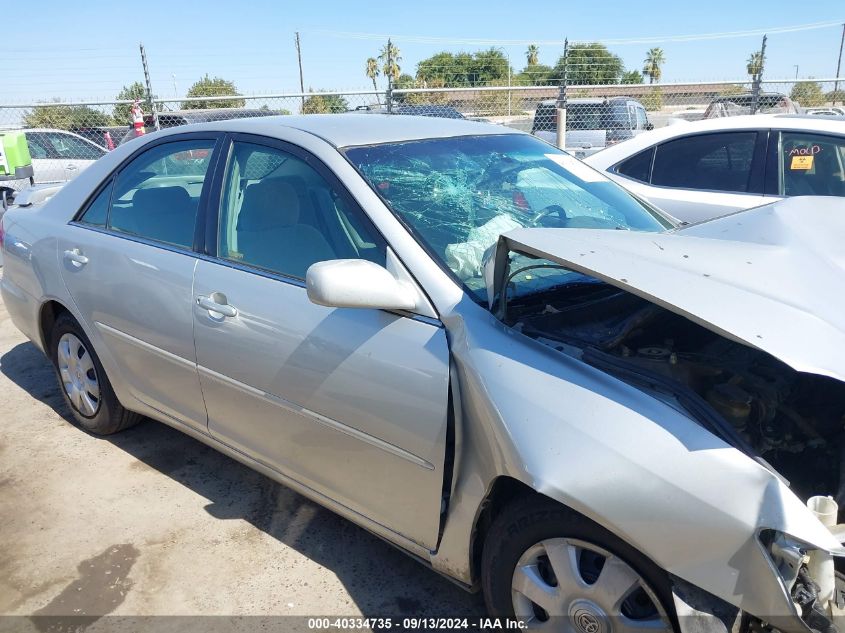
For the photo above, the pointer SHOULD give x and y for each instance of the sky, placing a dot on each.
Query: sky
(88, 50)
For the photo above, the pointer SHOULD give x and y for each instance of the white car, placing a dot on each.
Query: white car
(59, 156)
(709, 168)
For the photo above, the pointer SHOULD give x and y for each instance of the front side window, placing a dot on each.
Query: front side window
(716, 162)
(811, 164)
(279, 214)
(38, 146)
(157, 195)
(70, 147)
(458, 195)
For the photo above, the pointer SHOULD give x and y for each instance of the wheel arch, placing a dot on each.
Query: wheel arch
(47, 315)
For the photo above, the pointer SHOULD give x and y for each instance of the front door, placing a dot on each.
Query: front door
(349, 402)
(128, 264)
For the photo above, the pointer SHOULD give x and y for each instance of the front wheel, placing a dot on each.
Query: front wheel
(85, 386)
(556, 570)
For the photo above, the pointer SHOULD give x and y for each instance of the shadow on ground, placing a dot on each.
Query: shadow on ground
(379, 579)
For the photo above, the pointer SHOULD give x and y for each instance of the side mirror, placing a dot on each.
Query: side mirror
(357, 283)
(649, 126)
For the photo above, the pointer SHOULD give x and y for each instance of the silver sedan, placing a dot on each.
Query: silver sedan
(474, 346)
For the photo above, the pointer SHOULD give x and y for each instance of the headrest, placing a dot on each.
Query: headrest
(162, 199)
(268, 204)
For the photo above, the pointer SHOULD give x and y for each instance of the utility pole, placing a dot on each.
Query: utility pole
(299, 59)
(757, 80)
(838, 67)
(561, 100)
(149, 87)
(796, 71)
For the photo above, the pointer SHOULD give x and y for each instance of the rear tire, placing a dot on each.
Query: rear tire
(83, 381)
(581, 577)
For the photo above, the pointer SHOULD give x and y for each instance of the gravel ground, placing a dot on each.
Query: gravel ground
(152, 522)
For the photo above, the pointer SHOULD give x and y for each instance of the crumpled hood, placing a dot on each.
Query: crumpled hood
(772, 277)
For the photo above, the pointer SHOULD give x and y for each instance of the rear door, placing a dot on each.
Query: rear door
(128, 262)
(349, 402)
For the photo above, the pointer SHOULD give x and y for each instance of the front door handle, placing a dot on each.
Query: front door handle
(217, 303)
(76, 257)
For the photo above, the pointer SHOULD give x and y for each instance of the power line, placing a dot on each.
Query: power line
(426, 39)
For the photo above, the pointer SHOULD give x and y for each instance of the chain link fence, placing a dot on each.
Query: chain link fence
(61, 133)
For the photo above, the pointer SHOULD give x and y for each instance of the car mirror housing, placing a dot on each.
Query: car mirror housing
(357, 283)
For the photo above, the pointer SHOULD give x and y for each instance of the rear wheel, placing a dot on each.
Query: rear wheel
(557, 570)
(85, 386)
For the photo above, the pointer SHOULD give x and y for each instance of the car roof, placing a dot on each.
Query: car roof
(800, 122)
(353, 128)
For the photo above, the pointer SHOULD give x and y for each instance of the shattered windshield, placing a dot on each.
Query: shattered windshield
(457, 195)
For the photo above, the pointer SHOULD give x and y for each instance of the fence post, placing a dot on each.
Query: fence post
(389, 94)
(561, 101)
(150, 101)
(838, 67)
(757, 79)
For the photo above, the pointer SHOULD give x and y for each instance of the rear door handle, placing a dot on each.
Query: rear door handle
(217, 303)
(71, 167)
(76, 258)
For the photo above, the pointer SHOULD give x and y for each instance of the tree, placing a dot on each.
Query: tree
(534, 75)
(65, 117)
(652, 100)
(632, 77)
(390, 57)
(835, 95)
(654, 59)
(808, 93)
(481, 68)
(122, 112)
(532, 55)
(373, 72)
(754, 65)
(213, 87)
(324, 104)
(589, 64)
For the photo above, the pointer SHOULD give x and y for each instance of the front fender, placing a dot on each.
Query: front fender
(636, 465)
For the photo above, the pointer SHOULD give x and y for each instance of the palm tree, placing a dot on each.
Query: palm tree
(654, 59)
(755, 65)
(390, 57)
(372, 73)
(532, 55)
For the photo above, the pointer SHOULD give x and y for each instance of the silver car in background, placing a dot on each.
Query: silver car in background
(474, 346)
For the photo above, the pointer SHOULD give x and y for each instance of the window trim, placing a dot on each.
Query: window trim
(215, 210)
(111, 177)
(755, 178)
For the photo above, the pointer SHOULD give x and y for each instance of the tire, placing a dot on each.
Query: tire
(83, 381)
(565, 556)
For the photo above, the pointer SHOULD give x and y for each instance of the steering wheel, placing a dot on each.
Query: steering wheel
(552, 209)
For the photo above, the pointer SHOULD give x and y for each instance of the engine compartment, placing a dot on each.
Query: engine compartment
(792, 420)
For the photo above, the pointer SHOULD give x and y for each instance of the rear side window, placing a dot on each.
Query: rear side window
(716, 162)
(98, 210)
(811, 164)
(157, 195)
(637, 166)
